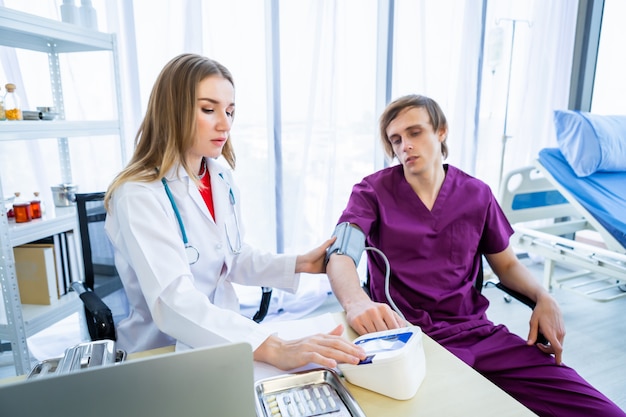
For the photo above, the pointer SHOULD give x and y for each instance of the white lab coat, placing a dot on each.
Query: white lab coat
(169, 299)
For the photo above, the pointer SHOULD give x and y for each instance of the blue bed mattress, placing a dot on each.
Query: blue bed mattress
(603, 194)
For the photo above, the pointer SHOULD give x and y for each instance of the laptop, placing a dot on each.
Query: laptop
(213, 381)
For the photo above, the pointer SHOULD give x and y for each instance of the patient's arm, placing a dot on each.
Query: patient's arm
(546, 316)
(362, 314)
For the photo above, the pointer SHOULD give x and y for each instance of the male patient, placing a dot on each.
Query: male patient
(434, 222)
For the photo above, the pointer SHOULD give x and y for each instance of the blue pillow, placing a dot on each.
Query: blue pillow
(591, 142)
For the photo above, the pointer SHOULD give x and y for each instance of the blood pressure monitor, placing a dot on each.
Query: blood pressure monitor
(395, 364)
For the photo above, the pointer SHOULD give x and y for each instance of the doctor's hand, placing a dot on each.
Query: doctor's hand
(313, 262)
(366, 316)
(326, 350)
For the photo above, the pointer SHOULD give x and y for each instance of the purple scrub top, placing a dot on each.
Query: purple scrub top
(434, 255)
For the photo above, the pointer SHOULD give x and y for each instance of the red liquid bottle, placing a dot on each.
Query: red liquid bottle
(35, 207)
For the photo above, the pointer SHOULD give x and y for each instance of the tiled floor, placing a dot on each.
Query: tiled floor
(595, 344)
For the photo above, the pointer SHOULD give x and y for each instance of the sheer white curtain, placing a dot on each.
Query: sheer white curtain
(540, 76)
(328, 80)
(437, 54)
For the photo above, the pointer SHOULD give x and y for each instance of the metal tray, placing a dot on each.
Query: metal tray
(81, 356)
(292, 395)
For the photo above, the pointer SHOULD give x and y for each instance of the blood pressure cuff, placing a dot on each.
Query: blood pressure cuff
(350, 241)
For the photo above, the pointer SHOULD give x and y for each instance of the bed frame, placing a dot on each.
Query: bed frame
(551, 223)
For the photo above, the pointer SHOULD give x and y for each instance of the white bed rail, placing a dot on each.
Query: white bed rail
(598, 273)
(549, 231)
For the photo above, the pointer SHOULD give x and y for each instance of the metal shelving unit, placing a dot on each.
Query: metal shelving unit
(25, 31)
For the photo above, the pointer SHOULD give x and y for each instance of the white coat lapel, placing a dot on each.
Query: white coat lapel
(220, 188)
(226, 207)
(196, 197)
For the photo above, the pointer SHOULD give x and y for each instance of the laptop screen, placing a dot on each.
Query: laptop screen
(214, 381)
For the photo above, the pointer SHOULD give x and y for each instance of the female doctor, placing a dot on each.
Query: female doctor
(173, 219)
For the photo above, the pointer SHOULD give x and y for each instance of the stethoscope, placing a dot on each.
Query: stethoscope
(192, 253)
(231, 196)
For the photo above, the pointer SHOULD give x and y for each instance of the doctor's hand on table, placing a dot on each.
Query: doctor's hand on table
(324, 349)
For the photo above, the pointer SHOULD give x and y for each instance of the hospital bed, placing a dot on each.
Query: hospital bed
(576, 222)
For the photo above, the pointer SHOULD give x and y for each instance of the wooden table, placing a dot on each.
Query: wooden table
(450, 388)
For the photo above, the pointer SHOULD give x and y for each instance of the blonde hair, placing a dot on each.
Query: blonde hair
(168, 128)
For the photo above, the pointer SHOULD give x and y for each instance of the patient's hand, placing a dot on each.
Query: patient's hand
(369, 316)
(547, 318)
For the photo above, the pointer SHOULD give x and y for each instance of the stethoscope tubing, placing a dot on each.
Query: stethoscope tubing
(192, 253)
(176, 212)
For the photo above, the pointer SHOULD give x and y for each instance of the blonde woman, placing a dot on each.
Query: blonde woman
(174, 221)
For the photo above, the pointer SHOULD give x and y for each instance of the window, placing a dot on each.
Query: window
(609, 90)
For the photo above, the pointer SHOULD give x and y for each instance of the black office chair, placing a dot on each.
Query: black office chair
(512, 293)
(99, 317)
(480, 284)
(266, 297)
(91, 216)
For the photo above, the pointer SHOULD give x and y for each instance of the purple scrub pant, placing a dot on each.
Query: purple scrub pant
(526, 373)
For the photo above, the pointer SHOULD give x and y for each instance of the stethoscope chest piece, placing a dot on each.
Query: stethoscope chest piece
(192, 254)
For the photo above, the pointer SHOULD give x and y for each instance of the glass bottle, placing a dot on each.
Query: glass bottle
(88, 16)
(3, 115)
(12, 107)
(35, 206)
(69, 12)
(21, 210)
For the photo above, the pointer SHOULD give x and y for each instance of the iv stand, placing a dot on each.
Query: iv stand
(505, 136)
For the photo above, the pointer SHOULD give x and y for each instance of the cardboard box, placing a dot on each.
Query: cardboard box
(35, 267)
(58, 260)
